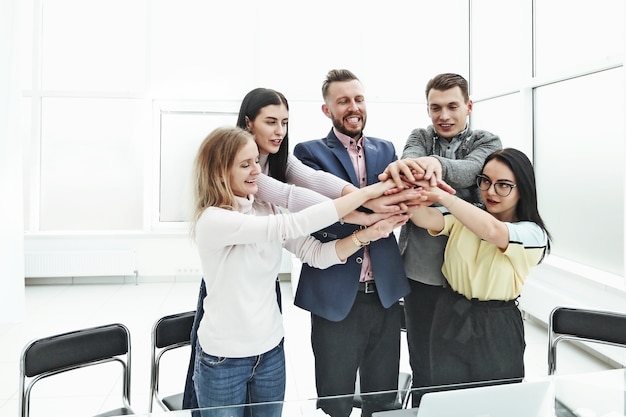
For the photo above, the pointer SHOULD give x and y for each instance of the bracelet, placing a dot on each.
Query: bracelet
(357, 242)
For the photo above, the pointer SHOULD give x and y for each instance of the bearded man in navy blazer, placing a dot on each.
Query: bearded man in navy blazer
(355, 315)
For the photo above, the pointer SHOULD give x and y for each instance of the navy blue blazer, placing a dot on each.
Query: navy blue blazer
(330, 293)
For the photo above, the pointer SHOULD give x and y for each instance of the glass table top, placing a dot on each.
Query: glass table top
(593, 394)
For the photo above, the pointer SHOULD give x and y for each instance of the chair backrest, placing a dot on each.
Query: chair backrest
(586, 326)
(169, 332)
(42, 358)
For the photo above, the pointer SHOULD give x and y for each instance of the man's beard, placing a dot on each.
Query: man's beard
(354, 134)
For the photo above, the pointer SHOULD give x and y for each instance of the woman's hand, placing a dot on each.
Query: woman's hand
(394, 203)
(365, 219)
(382, 228)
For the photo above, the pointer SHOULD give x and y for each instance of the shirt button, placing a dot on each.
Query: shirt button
(359, 260)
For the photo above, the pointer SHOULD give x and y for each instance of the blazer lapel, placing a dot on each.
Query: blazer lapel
(375, 162)
(340, 152)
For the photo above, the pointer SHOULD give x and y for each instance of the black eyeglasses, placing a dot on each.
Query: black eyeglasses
(503, 189)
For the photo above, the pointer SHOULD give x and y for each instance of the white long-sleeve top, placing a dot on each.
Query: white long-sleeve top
(241, 253)
(315, 186)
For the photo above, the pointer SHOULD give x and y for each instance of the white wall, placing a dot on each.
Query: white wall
(11, 221)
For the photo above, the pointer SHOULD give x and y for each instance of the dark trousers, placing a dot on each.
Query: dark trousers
(189, 395)
(419, 306)
(368, 339)
(476, 340)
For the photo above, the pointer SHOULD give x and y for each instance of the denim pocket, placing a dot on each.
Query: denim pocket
(210, 360)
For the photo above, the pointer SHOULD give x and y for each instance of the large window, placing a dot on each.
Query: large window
(510, 108)
(499, 39)
(92, 163)
(93, 46)
(579, 161)
(181, 133)
(572, 35)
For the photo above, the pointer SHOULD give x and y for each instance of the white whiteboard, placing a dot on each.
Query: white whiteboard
(181, 133)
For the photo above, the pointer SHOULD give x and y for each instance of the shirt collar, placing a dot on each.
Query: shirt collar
(345, 139)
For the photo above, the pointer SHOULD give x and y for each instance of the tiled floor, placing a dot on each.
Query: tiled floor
(52, 309)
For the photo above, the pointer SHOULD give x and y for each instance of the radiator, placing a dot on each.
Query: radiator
(51, 264)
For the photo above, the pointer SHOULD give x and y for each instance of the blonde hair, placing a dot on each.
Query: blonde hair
(212, 166)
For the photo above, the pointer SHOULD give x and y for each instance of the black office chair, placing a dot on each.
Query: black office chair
(582, 325)
(42, 358)
(169, 332)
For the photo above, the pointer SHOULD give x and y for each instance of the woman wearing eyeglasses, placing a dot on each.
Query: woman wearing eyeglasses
(477, 332)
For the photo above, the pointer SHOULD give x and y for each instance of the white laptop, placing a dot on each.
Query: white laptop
(524, 399)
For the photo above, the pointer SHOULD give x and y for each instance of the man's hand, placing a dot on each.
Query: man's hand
(401, 171)
(393, 203)
(412, 170)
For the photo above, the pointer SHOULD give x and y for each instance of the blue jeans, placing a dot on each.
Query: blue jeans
(189, 394)
(223, 381)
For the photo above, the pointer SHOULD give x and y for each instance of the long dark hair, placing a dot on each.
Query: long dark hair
(526, 209)
(251, 106)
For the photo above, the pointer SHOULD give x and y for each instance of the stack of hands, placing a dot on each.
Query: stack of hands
(418, 182)
(413, 183)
